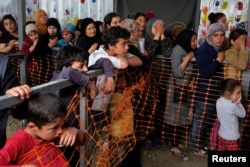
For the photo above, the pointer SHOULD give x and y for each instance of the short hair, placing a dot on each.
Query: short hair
(112, 36)
(68, 54)
(44, 108)
(235, 34)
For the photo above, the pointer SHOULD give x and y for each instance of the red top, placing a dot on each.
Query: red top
(21, 148)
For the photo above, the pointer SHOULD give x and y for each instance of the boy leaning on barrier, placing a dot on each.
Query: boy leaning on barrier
(33, 146)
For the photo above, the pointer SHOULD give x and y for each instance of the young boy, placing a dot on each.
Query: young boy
(45, 119)
(70, 62)
(115, 47)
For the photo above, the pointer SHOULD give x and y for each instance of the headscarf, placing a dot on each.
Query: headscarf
(150, 23)
(83, 40)
(213, 28)
(184, 39)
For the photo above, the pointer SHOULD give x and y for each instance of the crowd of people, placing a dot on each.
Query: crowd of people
(139, 55)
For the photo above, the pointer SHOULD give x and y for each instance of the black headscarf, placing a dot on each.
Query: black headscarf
(184, 39)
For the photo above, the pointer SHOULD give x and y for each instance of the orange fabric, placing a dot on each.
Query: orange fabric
(45, 155)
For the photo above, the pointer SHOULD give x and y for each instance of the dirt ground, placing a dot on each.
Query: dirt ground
(150, 158)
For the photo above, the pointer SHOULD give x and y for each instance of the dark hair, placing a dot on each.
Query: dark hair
(229, 85)
(68, 54)
(44, 107)
(139, 14)
(215, 17)
(7, 17)
(184, 39)
(30, 22)
(108, 18)
(112, 35)
(235, 34)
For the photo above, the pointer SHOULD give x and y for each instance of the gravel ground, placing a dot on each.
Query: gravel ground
(150, 158)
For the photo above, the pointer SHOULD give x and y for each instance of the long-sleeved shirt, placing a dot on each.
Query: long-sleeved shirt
(21, 143)
(210, 74)
(177, 56)
(228, 113)
(101, 101)
(73, 75)
(159, 47)
(237, 61)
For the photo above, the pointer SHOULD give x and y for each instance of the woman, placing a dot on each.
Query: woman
(88, 40)
(141, 19)
(159, 48)
(41, 18)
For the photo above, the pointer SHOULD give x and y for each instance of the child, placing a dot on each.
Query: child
(181, 85)
(68, 33)
(236, 55)
(29, 45)
(109, 56)
(229, 109)
(115, 48)
(70, 62)
(9, 39)
(45, 118)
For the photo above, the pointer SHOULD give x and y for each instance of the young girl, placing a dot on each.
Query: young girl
(236, 55)
(141, 19)
(9, 39)
(229, 109)
(178, 108)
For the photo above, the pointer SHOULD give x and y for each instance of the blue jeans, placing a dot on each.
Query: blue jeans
(201, 119)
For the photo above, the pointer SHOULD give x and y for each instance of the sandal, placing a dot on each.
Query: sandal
(177, 152)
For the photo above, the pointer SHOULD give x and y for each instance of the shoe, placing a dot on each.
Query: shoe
(205, 148)
(177, 152)
(200, 152)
